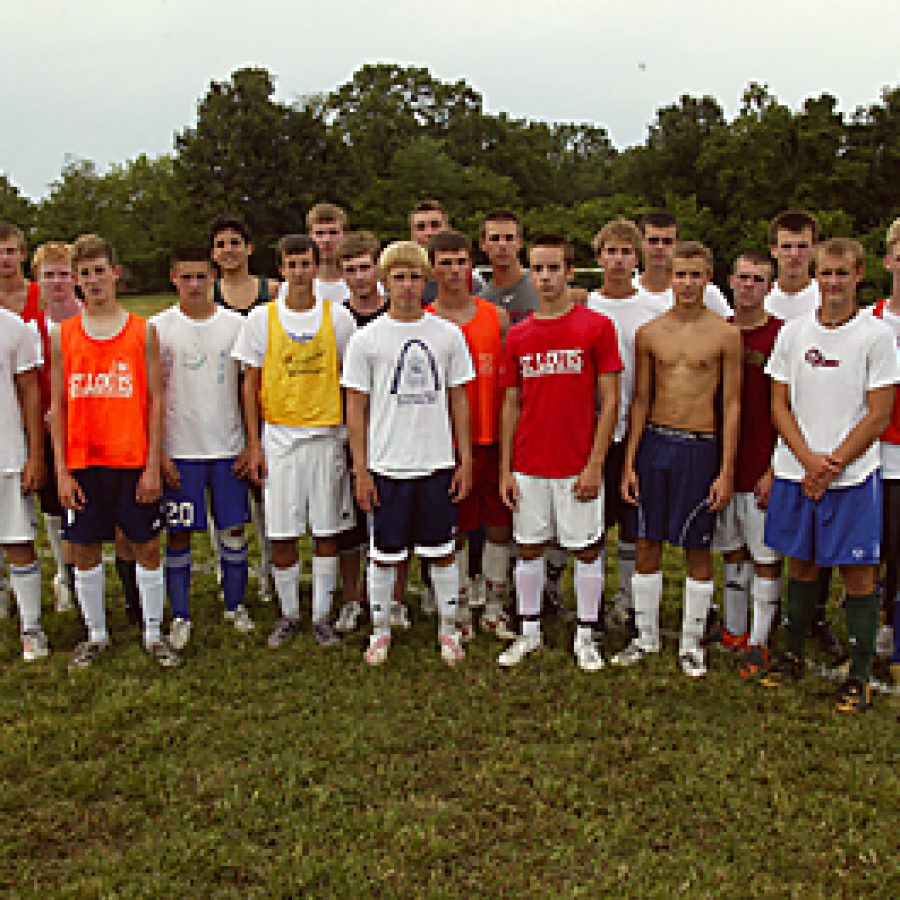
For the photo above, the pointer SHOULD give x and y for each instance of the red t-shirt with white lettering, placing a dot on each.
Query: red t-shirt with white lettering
(555, 364)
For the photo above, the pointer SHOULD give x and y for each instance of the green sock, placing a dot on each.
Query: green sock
(862, 626)
(800, 608)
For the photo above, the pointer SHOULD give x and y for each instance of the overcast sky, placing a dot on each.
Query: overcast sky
(109, 79)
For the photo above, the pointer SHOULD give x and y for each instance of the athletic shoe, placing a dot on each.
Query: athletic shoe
(179, 633)
(285, 628)
(465, 625)
(34, 645)
(788, 668)
(239, 617)
(451, 649)
(64, 600)
(85, 653)
(400, 615)
(377, 651)
(828, 643)
(755, 663)
(428, 601)
(884, 642)
(496, 622)
(633, 653)
(348, 620)
(693, 663)
(324, 634)
(737, 643)
(854, 696)
(587, 655)
(478, 592)
(519, 649)
(164, 654)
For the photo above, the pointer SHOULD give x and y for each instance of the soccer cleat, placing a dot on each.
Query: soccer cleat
(756, 661)
(693, 663)
(61, 592)
(496, 622)
(240, 618)
(179, 633)
(285, 628)
(427, 600)
(884, 642)
(164, 654)
(788, 668)
(854, 696)
(465, 625)
(348, 620)
(519, 649)
(400, 615)
(737, 643)
(377, 651)
(451, 649)
(85, 653)
(828, 643)
(324, 634)
(587, 655)
(34, 645)
(634, 653)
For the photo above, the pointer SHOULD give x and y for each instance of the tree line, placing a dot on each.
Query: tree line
(394, 135)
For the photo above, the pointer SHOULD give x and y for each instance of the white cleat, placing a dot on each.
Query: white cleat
(348, 620)
(587, 655)
(377, 652)
(452, 651)
(179, 633)
(693, 663)
(34, 645)
(519, 649)
(64, 600)
(239, 617)
(633, 654)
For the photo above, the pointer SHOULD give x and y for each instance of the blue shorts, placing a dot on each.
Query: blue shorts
(675, 470)
(842, 529)
(413, 513)
(185, 508)
(109, 501)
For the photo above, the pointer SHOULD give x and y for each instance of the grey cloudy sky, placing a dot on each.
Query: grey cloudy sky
(109, 79)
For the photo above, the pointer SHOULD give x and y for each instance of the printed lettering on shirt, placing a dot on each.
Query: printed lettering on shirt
(818, 360)
(117, 382)
(552, 362)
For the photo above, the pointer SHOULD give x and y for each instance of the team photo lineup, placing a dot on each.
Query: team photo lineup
(394, 401)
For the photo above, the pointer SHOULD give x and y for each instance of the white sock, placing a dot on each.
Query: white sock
(647, 592)
(151, 589)
(89, 588)
(766, 594)
(53, 527)
(697, 597)
(324, 573)
(627, 554)
(381, 591)
(737, 585)
(588, 591)
(26, 585)
(529, 575)
(445, 580)
(287, 586)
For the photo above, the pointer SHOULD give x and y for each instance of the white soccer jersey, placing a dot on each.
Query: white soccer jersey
(335, 291)
(19, 352)
(791, 306)
(202, 418)
(828, 372)
(628, 315)
(406, 368)
(713, 298)
(890, 453)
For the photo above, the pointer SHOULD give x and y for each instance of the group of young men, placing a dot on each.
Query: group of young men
(390, 402)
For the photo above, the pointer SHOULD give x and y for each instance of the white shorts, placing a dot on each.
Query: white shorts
(309, 486)
(18, 520)
(548, 511)
(742, 524)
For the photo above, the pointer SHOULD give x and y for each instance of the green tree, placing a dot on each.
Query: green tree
(14, 207)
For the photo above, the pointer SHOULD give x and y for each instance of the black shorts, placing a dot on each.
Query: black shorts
(890, 539)
(357, 537)
(615, 510)
(109, 496)
(49, 493)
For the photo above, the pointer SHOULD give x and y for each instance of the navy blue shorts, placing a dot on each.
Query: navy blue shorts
(841, 529)
(185, 508)
(413, 514)
(675, 471)
(109, 501)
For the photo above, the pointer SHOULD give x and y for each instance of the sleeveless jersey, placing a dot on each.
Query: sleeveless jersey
(892, 432)
(32, 312)
(301, 381)
(106, 396)
(262, 296)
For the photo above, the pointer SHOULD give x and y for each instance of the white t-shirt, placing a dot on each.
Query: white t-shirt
(890, 453)
(828, 372)
(250, 349)
(202, 418)
(713, 298)
(406, 368)
(628, 315)
(19, 352)
(790, 306)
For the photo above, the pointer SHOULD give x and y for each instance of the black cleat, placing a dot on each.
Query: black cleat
(788, 668)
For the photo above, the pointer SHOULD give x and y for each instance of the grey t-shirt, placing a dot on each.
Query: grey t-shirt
(519, 299)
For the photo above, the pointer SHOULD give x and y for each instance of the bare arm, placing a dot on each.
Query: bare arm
(358, 438)
(459, 415)
(70, 493)
(637, 416)
(149, 486)
(721, 489)
(587, 485)
(509, 420)
(256, 463)
(29, 393)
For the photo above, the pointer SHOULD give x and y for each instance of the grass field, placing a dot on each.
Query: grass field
(250, 772)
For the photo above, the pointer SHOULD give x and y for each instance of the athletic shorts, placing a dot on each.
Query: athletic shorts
(18, 520)
(49, 493)
(890, 544)
(185, 508)
(483, 505)
(413, 514)
(742, 524)
(615, 510)
(675, 470)
(549, 511)
(109, 501)
(841, 529)
(357, 537)
(308, 487)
